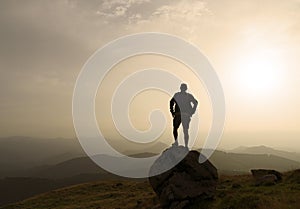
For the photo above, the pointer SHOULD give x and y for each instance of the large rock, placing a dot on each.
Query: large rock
(189, 181)
(266, 177)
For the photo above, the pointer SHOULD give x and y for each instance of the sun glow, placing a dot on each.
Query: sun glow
(260, 72)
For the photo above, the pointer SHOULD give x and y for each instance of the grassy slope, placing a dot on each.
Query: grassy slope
(233, 192)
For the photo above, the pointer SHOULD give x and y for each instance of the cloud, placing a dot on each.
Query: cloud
(188, 10)
(111, 8)
(45, 43)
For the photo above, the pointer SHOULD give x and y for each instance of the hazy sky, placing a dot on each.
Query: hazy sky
(253, 45)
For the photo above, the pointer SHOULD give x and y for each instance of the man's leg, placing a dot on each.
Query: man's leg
(186, 136)
(176, 124)
(186, 124)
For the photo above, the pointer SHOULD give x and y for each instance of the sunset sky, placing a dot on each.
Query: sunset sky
(253, 45)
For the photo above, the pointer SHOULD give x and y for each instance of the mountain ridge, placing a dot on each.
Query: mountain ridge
(262, 149)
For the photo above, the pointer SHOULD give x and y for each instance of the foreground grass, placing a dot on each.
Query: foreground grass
(97, 195)
(240, 192)
(233, 192)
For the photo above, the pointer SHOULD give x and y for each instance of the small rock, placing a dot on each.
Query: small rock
(119, 184)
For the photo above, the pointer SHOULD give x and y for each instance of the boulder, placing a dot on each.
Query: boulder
(266, 177)
(185, 183)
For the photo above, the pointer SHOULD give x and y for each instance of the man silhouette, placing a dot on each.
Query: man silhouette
(182, 110)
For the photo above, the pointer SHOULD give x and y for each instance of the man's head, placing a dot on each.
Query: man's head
(183, 87)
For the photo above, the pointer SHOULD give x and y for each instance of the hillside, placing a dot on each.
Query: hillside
(234, 192)
(80, 170)
(15, 189)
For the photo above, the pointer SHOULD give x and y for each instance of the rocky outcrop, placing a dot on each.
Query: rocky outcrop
(266, 177)
(189, 181)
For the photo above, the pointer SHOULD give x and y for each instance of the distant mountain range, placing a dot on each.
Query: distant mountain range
(225, 162)
(21, 153)
(267, 150)
(61, 158)
(235, 163)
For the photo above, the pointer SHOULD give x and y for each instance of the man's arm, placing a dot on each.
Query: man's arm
(195, 104)
(172, 103)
